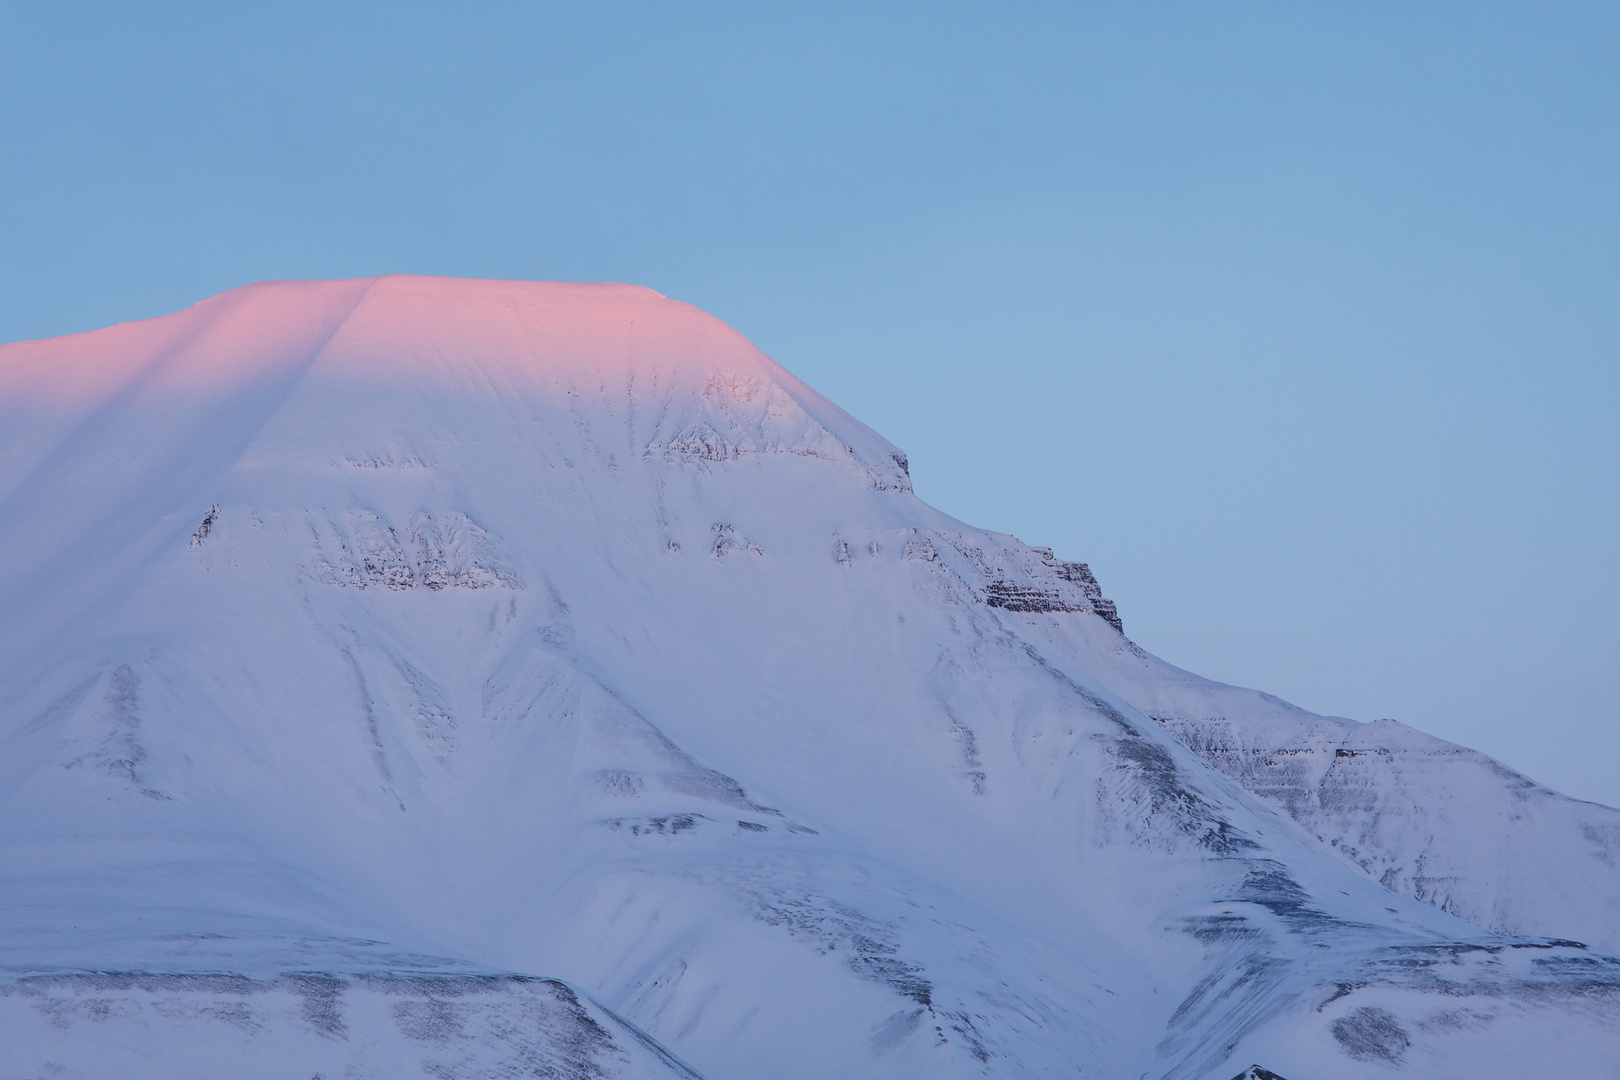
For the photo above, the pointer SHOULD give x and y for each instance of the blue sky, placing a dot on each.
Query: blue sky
(1301, 323)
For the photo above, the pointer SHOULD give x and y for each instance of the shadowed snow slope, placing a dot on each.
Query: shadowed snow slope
(422, 677)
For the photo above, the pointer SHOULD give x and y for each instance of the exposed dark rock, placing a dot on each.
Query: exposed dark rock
(207, 526)
(451, 550)
(871, 947)
(663, 825)
(1004, 594)
(1372, 1034)
(323, 1006)
(1081, 575)
(1269, 885)
(517, 1025)
(1051, 585)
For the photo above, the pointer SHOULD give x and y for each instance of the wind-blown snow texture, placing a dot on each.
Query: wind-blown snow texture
(418, 677)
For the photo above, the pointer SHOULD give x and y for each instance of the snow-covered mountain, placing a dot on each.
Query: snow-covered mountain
(420, 677)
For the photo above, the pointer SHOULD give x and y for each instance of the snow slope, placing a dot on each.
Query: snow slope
(426, 677)
(1429, 819)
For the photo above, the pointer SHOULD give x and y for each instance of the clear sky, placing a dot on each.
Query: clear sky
(1300, 323)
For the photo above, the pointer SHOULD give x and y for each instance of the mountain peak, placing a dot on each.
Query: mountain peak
(397, 326)
(397, 365)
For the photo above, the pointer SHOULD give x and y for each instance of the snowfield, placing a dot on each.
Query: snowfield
(414, 677)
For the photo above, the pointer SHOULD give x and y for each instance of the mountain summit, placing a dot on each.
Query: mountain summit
(423, 677)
